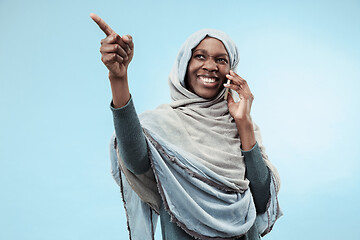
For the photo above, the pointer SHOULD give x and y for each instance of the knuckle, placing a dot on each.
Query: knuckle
(103, 49)
(109, 39)
(116, 36)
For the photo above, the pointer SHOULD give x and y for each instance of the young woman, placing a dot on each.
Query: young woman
(198, 162)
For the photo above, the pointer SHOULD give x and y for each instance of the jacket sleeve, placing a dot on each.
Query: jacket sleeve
(130, 138)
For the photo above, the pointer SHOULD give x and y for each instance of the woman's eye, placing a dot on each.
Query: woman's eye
(222, 60)
(200, 56)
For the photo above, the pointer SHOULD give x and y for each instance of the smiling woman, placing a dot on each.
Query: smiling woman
(198, 162)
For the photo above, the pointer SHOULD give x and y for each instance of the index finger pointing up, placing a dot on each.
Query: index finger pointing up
(102, 24)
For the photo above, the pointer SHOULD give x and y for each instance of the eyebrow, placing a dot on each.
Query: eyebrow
(203, 50)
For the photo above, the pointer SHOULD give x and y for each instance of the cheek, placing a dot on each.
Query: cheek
(225, 69)
(193, 66)
(191, 72)
(188, 77)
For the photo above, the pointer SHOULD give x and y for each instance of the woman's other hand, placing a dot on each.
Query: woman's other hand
(116, 51)
(240, 110)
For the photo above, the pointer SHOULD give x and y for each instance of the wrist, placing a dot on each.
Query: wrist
(120, 91)
(246, 134)
(243, 117)
(115, 78)
(244, 124)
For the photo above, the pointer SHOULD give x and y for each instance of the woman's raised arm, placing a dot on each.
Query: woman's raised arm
(116, 53)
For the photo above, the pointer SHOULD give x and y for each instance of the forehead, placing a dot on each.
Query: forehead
(211, 45)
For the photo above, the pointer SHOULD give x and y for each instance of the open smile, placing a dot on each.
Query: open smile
(208, 80)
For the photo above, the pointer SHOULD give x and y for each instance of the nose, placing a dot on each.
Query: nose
(210, 65)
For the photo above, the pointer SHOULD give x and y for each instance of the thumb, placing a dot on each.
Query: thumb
(128, 40)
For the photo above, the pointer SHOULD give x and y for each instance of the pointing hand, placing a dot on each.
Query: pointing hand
(116, 51)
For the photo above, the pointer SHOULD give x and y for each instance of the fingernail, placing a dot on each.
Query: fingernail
(126, 38)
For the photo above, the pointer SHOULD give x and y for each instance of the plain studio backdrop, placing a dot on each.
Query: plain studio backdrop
(300, 58)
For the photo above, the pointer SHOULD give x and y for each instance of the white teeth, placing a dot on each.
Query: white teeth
(208, 80)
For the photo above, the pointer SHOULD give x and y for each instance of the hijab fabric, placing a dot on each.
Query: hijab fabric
(197, 165)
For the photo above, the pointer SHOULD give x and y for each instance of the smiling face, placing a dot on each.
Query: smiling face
(207, 68)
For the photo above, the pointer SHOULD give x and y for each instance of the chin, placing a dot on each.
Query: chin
(207, 94)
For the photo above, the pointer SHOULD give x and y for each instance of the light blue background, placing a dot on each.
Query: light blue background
(300, 58)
